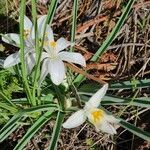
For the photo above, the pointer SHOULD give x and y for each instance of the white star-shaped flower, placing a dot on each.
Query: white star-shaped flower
(29, 36)
(54, 57)
(98, 117)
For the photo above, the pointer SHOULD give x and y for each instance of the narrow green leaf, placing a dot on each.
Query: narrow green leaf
(34, 128)
(8, 100)
(40, 108)
(22, 53)
(56, 131)
(9, 132)
(114, 32)
(8, 107)
(93, 87)
(129, 84)
(110, 38)
(74, 22)
(112, 100)
(9, 127)
(136, 131)
(50, 15)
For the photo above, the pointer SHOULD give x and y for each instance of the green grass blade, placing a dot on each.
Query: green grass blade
(110, 38)
(134, 84)
(114, 32)
(34, 128)
(51, 11)
(50, 15)
(93, 87)
(9, 132)
(9, 127)
(111, 100)
(7, 99)
(40, 108)
(56, 131)
(74, 22)
(136, 131)
(22, 54)
(8, 107)
(12, 123)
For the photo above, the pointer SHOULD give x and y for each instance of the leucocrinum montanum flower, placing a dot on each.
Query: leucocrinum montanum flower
(98, 117)
(29, 42)
(54, 57)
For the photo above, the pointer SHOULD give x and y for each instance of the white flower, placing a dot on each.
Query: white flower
(13, 39)
(96, 116)
(43, 1)
(54, 57)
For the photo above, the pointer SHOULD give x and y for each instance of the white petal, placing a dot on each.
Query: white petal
(107, 128)
(27, 23)
(62, 44)
(30, 62)
(111, 119)
(96, 98)
(44, 71)
(73, 57)
(11, 38)
(75, 120)
(44, 55)
(49, 33)
(12, 60)
(56, 69)
(41, 24)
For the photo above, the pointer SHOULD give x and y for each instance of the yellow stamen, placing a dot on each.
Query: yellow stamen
(53, 44)
(26, 33)
(46, 34)
(97, 115)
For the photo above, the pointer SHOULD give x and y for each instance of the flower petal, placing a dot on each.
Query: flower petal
(111, 119)
(11, 60)
(44, 55)
(56, 69)
(30, 62)
(11, 38)
(62, 44)
(106, 127)
(75, 120)
(73, 57)
(96, 98)
(44, 71)
(27, 23)
(49, 33)
(41, 23)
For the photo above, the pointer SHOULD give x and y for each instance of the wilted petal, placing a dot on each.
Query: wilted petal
(75, 120)
(96, 98)
(62, 44)
(44, 71)
(27, 23)
(11, 38)
(73, 57)
(56, 69)
(12, 60)
(107, 128)
(30, 62)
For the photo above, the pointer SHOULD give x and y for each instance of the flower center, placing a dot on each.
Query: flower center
(26, 33)
(97, 115)
(53, 44)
